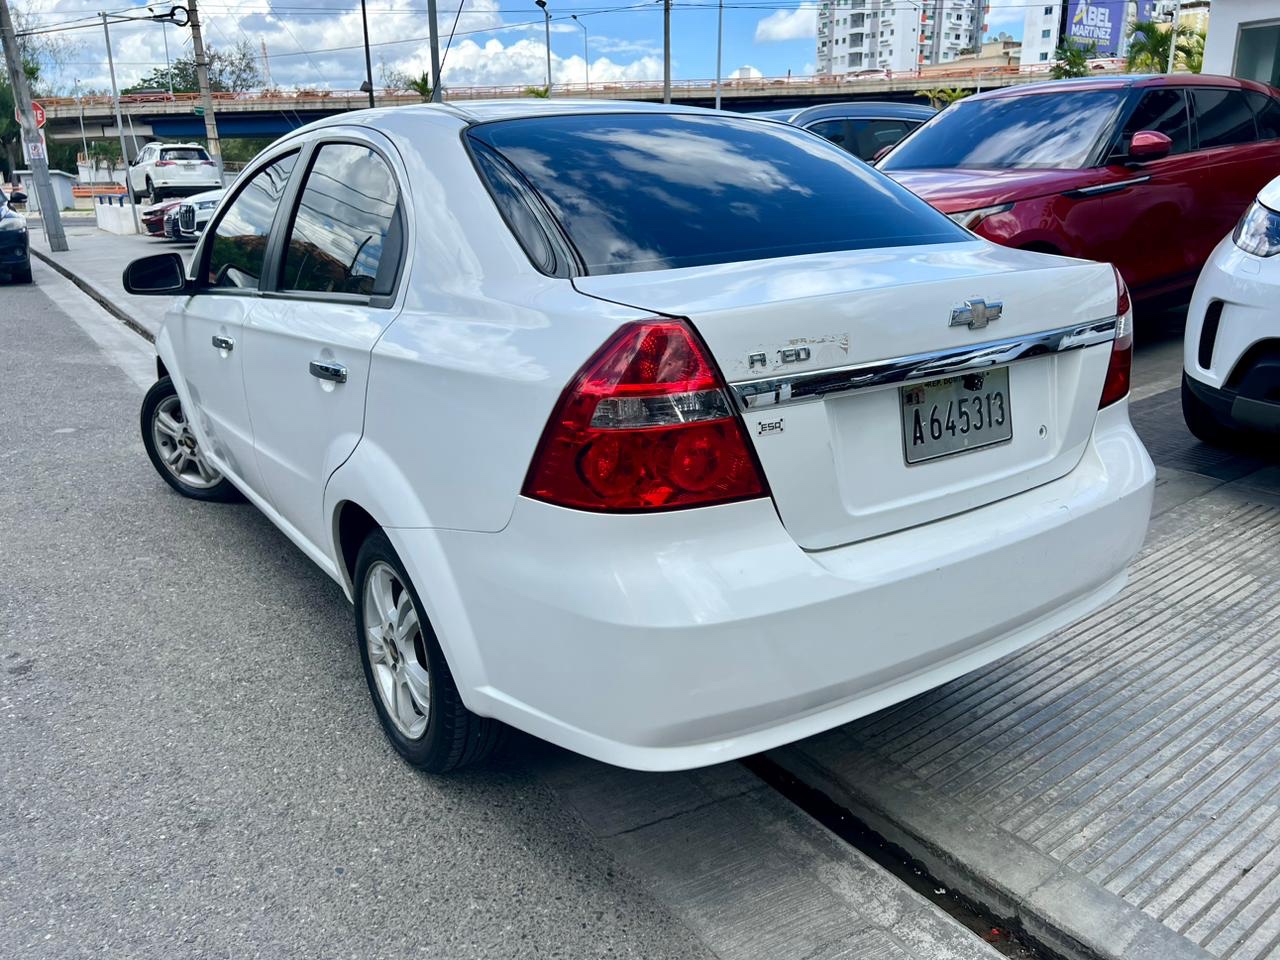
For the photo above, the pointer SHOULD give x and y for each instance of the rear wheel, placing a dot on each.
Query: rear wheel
(23, 275)
(1205, 425)
(153, 195)
(174, 451)
(413, 690)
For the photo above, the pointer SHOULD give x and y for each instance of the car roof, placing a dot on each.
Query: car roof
(479, 111)
(886, 109)
(1126, 81)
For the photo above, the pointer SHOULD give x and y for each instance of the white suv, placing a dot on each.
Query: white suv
(666, 435)
(1231, 358)
(171, 170)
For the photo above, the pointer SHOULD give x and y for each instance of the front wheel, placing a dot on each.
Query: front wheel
(174, 451)
(152, 195)
(413, 691)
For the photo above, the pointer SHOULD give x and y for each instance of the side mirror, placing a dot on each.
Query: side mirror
(17, 197)
(162, 275)
(1149, 145)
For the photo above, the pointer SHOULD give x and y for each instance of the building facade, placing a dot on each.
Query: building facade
(1244, 40)
(898, 36)
(1041, 27)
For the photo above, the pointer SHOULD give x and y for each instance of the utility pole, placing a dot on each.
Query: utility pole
(666, 51)
(586, 50)
(719, 50)
(437, 89)
(368, 65)
(50, 215)
(202, 76)
(1173, 32)
(124, 151)
(168, 66)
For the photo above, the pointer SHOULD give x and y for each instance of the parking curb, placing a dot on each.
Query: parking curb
(98, 297)
(1060, 908)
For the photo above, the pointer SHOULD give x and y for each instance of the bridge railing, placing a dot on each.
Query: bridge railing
(355, 99)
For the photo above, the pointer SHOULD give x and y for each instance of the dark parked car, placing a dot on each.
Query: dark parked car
(153, 218)
(1145, 172)
(15, 253)
(863, 127)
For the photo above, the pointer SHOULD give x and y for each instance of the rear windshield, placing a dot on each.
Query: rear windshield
(183, 153)
(1059, 130)
(639, 192)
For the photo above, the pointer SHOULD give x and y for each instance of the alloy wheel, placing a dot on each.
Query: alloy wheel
(178, 447)
(397, 650)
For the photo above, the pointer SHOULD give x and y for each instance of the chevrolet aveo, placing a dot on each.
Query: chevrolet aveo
(665, 435)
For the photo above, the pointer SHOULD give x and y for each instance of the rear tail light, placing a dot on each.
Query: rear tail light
(646, 424)
(1116, 386)
(208, 163)
(166, 163)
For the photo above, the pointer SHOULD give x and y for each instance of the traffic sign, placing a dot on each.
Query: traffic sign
(36, 109)
(199, 111)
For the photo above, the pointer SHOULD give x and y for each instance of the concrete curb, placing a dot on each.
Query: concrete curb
(100, 298)
(1055, 905)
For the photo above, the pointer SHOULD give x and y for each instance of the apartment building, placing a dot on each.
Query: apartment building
(1040, 29)
(895, 35)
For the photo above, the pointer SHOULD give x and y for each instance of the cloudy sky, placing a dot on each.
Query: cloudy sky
(318, 44)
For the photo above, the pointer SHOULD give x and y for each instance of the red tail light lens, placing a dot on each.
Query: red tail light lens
(1116, 386)
(645, 425)
(165, 163)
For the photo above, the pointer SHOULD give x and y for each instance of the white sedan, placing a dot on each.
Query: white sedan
(1231, 352)
(665, 435)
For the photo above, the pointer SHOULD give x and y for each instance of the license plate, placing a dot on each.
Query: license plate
(956, 414)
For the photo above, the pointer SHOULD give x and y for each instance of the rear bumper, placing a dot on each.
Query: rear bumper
(1255, 405)
(690, 638)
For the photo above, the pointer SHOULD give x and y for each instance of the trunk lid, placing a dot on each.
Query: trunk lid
(835, 457)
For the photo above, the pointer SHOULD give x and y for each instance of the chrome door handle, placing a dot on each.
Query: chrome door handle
(223, 343)
(329, 371)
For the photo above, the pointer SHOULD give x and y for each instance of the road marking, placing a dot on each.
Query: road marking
(124, 348)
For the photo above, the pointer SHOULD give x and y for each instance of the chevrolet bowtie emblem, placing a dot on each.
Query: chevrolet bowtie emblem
(976, 314)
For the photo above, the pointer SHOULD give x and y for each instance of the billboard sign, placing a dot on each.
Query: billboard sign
(1098, 21)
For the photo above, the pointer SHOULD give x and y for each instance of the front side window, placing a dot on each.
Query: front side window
(656, 191)
(345, 225)
(1223, 118)
(1029, 131)
(1164, 111)
(238, 248)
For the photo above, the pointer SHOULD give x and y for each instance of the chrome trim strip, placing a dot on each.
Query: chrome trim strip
(816, 384)
(1102, 188)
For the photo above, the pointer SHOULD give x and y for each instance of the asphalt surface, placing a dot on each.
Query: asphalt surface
(189, 765)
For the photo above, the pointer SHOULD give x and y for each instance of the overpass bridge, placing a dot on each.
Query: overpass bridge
(273, 113)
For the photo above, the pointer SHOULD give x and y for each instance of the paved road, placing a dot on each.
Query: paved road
(189, 765)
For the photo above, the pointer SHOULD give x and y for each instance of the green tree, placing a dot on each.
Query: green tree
(1071, 59)
(1193, 51)
(940, 97)
(49, 50)
(541, 92)
(422, 86)
(1149, 46)
(230, 71)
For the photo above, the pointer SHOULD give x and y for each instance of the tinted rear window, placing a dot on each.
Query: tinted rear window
(1031, 131)
(658, 191)
(183, 153)
(1223, 118)
(1266, 112)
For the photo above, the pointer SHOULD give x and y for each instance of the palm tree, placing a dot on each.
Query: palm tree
(1149, 46)
(1193, 51)
(541, 92)
(422, 86)
(936, 96)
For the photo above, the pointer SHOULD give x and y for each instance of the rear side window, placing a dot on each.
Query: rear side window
(1266, 111)
(239, 244)
(1164, 111)
(1223, 118)
(655, 191)
(346, 235)
(872, 136)
(183, 153)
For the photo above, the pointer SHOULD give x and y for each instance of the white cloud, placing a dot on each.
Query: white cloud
(745, 73)
(798, 24)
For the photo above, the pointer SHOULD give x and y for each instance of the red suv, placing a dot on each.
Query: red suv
(1145, 172)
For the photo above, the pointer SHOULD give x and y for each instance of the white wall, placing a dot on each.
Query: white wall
(1225, 18)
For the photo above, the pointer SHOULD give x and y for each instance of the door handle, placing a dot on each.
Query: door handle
(223, 343)
(329, 371)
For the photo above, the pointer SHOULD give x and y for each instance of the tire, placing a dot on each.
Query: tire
(413, 691)
(23, 275)
(174, 451)
(1205, 425)
(153, 196)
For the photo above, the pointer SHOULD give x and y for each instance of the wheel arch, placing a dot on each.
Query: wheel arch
(352, 523)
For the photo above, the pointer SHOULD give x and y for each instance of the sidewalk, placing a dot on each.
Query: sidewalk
(95, 262)
(1117, 786)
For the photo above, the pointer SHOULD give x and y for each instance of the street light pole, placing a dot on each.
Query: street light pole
(368, 64)
(719, 49)
(586, 50)
(546, 15)
(168, 67)
(666, 51)
(1173, 32)
(84, 141)
(50, 215)
(124, 153)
